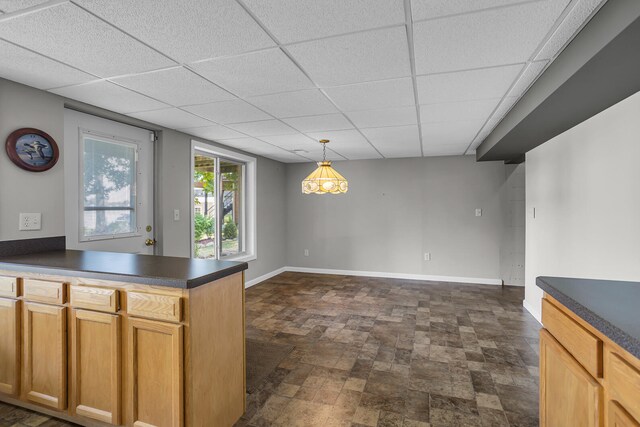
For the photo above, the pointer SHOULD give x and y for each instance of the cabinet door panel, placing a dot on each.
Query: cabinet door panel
(618, 417)
(9, 346)
(45, 352)
(155, 373)
(569, 396)
(96, 365)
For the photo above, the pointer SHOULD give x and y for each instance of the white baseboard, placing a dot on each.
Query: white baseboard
(531, 310)
(407, 276)
(264, 277)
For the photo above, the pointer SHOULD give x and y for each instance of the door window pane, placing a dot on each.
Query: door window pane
(109, 187)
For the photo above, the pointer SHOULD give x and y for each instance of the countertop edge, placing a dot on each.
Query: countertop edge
(144, 280)
(615, 334)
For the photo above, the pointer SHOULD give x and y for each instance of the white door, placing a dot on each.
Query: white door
(108, 169)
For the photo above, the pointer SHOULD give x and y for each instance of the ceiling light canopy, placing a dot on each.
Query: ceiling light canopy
(325, 179)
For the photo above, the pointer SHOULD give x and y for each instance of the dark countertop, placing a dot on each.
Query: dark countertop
(144, 269)
(609, 306)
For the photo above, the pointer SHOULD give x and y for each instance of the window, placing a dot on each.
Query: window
(108, 187)
(223, 211)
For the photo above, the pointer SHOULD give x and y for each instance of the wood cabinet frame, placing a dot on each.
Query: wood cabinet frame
(12, 356)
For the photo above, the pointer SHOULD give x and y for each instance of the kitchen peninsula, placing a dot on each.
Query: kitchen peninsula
(103, 338)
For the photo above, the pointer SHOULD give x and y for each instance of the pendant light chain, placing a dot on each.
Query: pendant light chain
(324, 152)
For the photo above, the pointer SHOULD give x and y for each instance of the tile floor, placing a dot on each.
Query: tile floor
(383, 352)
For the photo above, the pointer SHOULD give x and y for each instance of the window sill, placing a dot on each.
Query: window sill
(240, 258)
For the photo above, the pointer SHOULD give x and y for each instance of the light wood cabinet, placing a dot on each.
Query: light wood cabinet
(99, 352)
(569, 396)
(9, 346)
(155, 355)
(45, 355)
(95, 365)
(585, 378)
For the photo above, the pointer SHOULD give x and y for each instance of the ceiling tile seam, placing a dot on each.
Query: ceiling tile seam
(559, 21)
(464, 70)
(54, 60)
(472, 12)
(125, 32)
(31, 9)
(412, 65)
(111, 78)
(293, 60)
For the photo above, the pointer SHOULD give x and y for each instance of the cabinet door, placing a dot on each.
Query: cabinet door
(95, 364)
(569, 396)
(9, 346)
(618, 417)
(155, 373)
(45, 355)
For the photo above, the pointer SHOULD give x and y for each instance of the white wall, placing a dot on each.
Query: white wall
(585, 187)
(20, 190)
(398, 209)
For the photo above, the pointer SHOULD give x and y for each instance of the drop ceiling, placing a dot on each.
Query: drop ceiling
(379, 78)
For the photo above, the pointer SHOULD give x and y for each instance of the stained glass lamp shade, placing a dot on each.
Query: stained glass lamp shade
(325, 179)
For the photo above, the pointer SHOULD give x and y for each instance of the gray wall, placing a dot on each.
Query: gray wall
(22, 191)
(583, 185)
(398, 209)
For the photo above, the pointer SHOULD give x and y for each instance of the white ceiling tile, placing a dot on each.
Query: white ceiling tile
(578, 15)
(444, 150)
(224, 112)
(372, 95)
(263, 128)
(291, 142)
(339, 138)
(296, 20)
(8, 6)
(294, 104)
(319, 123)
(492, 37)
(452, 133)
(109, 96)
(396, 141)
(529, 75)
(172, 118)
(355, 58)
(458, 111)
(427, 9)
(398, 116)
(186, 31)
(255, 146)
(31, 69)
(360, 152)
(176, 86)
(256, 73)
(467, 85)
(213, 132)
(316, 154)
(75, 37)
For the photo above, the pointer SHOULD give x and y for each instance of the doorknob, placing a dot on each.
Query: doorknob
(150, 242)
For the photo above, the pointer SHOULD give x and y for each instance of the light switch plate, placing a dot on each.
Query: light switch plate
(478, 212)
(176, 214)
(30, 221)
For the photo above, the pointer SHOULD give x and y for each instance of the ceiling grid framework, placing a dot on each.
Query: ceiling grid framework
(380, 78)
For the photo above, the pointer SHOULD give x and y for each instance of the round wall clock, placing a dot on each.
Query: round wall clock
(32, 149)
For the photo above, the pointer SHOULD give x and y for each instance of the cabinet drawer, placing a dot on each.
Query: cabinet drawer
(618, 417)
(624, 383)
(585, 347)
(8, 287)
(43, 291)
(91, 298)
(164, 307)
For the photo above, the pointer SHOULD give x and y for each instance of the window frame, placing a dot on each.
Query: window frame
(248, 206)
(81, 194)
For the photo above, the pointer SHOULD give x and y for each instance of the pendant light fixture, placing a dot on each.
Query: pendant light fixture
(324, 179)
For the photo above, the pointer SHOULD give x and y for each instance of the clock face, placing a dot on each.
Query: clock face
(34, 150)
